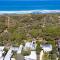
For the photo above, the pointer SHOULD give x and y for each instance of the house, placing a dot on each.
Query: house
(32, 56)
(1, 52)
(58, 45)
(15, 49)
(8, 55)
(13, 59)
(1, 48)
(20, 49)
(30, 45)
(46, 47)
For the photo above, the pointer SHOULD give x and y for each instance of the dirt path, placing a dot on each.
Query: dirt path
(41, 55)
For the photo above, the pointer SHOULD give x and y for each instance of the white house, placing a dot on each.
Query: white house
(1, 52)
(1, 48)
(15, 49)
(8, 55)
(13, 59)
(20, 49)
(1, 58)
(32, 56)
(29, 45)
(46, 47)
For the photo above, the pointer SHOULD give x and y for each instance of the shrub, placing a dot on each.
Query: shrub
(25, 53)
(38, 48)
(6, 50)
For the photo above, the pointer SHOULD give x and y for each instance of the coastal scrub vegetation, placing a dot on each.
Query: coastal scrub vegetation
(16, 28)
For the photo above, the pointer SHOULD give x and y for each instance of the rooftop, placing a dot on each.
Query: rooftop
(47, 47)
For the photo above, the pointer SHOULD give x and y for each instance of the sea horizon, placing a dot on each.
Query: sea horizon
(29, 11)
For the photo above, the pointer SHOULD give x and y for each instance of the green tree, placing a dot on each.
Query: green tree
(38, 49)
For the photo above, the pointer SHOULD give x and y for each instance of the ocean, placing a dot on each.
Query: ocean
(29, 5)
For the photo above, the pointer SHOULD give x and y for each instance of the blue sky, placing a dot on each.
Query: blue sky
(29, 0)
(29, 5)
